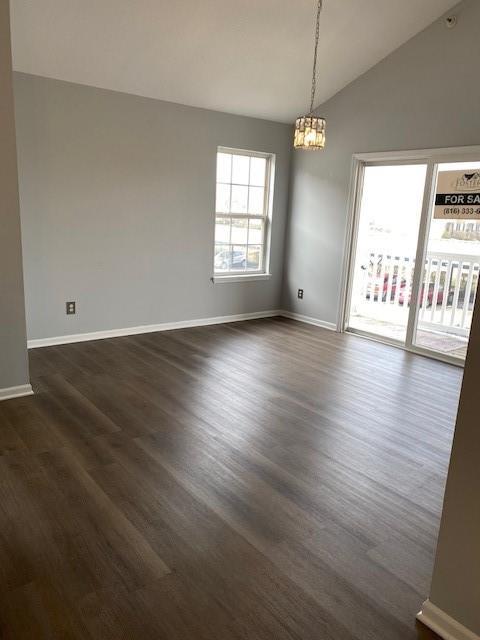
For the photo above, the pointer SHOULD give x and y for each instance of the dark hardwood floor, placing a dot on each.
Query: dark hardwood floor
(260, 480)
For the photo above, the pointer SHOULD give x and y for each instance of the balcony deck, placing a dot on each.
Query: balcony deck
(443, 343)
(381, 300)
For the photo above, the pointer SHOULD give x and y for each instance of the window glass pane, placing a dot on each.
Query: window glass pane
(222, 259)
(255, 231)
(240, 194)
(254, 257)
(223, 198)
(240, 169)
(239, 258)
(224, 167)
(257, 171)
(239, 230)
(222, 230)
(255, 200)
(239, 199)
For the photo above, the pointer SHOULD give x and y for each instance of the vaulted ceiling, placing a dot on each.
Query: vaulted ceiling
(250, 57)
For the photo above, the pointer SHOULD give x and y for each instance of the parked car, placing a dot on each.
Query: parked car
(429, 296)
(402, 292)
(238, 259)
(230, 260)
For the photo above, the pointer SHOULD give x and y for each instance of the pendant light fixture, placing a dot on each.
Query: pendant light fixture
(310, 129)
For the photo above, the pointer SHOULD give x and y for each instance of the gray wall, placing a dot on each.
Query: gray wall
(13, 352)
(456, 577)
(426, 94)
(117, 200)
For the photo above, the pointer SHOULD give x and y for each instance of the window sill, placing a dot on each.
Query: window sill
(249, 277)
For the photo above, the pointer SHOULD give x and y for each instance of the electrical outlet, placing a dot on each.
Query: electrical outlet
(300, 294)
(71, 308)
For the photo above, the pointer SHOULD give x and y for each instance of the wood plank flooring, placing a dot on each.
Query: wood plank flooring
(258, 480)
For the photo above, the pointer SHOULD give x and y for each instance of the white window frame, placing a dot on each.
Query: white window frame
(264, 272)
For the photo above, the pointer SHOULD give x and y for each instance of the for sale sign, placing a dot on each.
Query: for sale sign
(458, 195)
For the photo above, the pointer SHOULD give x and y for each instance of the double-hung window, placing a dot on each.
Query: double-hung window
(242, 212)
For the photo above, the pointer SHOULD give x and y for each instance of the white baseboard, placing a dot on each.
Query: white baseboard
(149, 328)
(445, 626)
(168, 326)
(308, 320)
(16, 392)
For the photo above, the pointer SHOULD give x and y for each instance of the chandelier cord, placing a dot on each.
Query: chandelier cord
(314, 71)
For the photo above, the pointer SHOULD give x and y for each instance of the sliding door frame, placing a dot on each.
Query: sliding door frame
(432, 158)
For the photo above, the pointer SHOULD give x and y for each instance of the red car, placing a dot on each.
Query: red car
(402, 292)
(429, 297)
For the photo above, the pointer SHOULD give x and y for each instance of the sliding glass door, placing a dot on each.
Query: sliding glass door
(452, 260)
(415, 254)
(387, 234)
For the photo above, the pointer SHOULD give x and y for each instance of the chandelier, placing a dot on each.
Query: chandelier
(310, 129)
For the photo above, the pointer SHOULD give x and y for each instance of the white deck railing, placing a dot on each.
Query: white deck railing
(447, 292)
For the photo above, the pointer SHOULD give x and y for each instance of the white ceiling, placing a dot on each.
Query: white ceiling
(251, 57)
